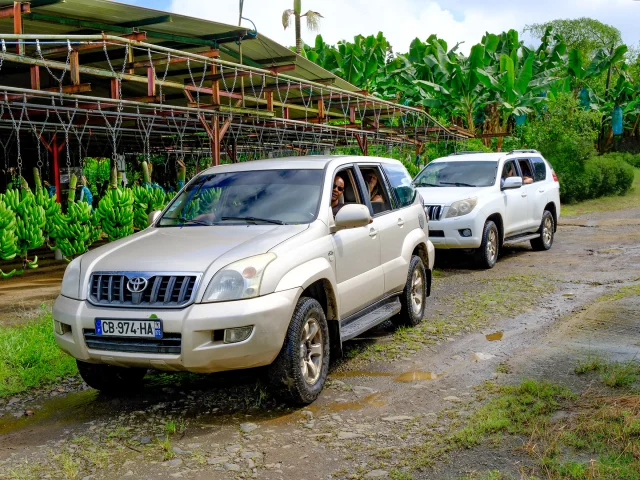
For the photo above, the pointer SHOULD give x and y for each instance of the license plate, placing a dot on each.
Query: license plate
(129, 328)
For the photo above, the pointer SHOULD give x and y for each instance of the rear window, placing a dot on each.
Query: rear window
(539, 169)
(400, 181)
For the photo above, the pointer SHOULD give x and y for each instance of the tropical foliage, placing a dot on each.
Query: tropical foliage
(501, 83)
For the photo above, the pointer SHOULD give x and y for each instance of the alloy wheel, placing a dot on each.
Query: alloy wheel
(311, 353)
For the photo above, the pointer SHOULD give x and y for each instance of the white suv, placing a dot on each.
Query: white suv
(482, 201)
(247, 266)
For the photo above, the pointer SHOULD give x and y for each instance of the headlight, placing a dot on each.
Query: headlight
(462, 207)
(238, 280)
(71, 280)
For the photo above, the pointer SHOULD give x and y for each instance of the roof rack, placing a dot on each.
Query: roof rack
(464, 152)
(523, 151)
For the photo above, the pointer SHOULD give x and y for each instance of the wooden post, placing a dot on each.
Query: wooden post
(114, 88)
(320, 110)
(17, 25)
(74, 67)
(234, 152)
(215, 86)
(268, 96)
(215, 141)
(35, 77)
(352, 115)
(285, 113)
(151, 85)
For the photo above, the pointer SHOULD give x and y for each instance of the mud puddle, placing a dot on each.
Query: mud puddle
(493, 337)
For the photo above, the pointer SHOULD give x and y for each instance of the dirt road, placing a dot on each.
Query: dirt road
(534, 315)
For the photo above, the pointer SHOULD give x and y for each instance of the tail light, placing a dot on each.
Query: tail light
(555, 177)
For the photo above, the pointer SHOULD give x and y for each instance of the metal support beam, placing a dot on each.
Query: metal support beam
(136, 37)
(215, 141)
(35, 77)
(17, 25)
(9, 10)
(212, 53)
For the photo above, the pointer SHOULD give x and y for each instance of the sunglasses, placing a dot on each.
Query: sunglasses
(337, 187)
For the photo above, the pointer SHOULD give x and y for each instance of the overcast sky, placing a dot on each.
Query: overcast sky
(403, 20)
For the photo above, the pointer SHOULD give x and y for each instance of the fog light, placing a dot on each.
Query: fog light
(466, 232)
(60, 328)
(235, 335)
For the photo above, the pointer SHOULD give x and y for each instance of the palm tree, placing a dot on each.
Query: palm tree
(313, 21)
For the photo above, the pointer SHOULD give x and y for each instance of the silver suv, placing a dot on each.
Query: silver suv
(247, 267)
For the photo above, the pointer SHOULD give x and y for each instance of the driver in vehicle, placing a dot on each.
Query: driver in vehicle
(336, 194)
(510, 171)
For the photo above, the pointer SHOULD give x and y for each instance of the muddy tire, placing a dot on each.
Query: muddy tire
(111, 380)
(547, 227)
(413, 296)
(299, 372)
(487, 255)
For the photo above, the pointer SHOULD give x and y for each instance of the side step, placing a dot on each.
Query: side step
(359, 324)
(521, 238)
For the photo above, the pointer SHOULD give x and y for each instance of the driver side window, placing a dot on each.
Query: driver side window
(346, 190)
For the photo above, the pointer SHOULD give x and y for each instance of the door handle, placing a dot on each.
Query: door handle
(523, 195)
(400, 222)
(373, 232)
(542, 190)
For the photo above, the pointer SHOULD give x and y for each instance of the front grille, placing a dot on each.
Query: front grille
(171, 343)
(434, 211)
(436, 233)
(168, 290)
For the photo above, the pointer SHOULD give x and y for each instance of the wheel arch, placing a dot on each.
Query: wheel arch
(551, 207)
(497, 219)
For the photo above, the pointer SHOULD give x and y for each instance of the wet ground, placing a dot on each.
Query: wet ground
(534, 315)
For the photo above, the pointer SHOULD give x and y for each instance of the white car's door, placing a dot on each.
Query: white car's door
(541, 190)
(359, 274)
(536, 194)
(516, 212)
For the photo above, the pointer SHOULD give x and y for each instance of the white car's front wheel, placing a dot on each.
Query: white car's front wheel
(487, 254)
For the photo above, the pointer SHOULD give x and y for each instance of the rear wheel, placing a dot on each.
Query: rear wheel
(547, 227)
(111, 380)
(299, 372)
(413, 296)
(487, 254)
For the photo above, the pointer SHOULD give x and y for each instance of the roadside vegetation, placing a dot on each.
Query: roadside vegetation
(30, 357)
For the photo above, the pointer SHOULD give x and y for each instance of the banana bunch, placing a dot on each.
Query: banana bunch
(77, 234)
(157, 199)
(30, 224)
(141, 197)
(8, 238)
(115, 212)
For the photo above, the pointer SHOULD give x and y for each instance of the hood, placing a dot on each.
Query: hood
(447, 195)
(187, 249)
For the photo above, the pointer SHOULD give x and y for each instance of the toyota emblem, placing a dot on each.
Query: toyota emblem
(137, 284)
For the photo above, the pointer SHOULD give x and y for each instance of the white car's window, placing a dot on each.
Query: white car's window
(539, 169)
(377, 190)
(400, 181)
(263, 196)
(457, 174)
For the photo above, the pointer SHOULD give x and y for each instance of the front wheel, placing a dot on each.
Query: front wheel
(299, 372)
(413, 296)
(487, 254)
(111, 380)
(547, 226)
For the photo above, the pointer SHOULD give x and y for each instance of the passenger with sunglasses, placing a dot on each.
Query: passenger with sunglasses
(336, 193)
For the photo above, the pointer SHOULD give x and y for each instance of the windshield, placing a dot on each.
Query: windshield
(457, 174)
(255, 197)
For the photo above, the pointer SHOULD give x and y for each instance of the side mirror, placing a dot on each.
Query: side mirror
(512, 182)
(353, 216)
(153, 216)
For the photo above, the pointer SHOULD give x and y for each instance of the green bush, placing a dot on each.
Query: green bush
(607, 175)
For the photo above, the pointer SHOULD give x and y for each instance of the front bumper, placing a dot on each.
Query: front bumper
(270, 316)
(445, 233)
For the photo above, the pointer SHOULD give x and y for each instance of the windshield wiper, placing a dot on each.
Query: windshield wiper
(255, 219)
(458, 184)
(426, 185)
(185, 221)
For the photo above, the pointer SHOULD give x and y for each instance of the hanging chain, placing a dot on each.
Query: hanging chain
(38, 135)
(4, 51)
(17, 126)
(64, 70)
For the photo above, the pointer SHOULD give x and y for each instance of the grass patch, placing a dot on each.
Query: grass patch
(30, 356)
(613, 374)
(607, 204)
(471, 311)
(517, 409)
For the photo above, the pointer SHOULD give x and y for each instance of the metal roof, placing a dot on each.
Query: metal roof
(78, 17)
